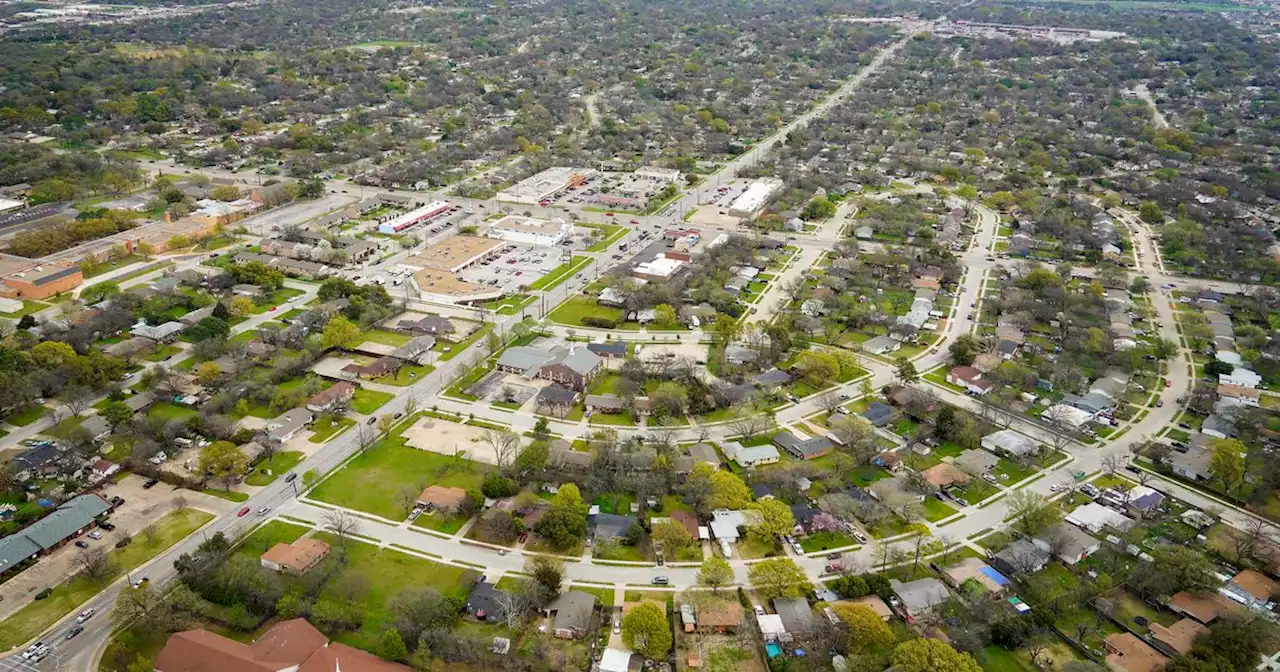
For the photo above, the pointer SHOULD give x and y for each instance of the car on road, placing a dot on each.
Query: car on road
(291, 477)
(31, 650)
(617, 626)
(74, 631)
(138, 583)
(796, 547)
(371, 420)
(635, 221)
(1160, 403)
(399, 415)
(862, 538)
(263, 510)
(242, 512)
(608, 214)
(81, 543)
(85, 615)
(660, 581)
(1168, 383)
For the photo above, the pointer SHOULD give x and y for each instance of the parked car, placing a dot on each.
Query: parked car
(95, 535)
(759, 610)
(107, 525)
(291, 477)
(81, 543)
(151, 483)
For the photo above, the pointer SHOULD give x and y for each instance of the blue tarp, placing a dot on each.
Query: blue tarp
(995, 576)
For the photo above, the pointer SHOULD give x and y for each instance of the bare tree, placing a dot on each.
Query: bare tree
(342, 525)
(407, 497)
(515, 604)
(179, 503)
(1113, 463)
(750, 426)
(365, 438)
(829, 401)
(149, 534)
(77, 398)
(505, 445)
(411, 403)
(94, 562)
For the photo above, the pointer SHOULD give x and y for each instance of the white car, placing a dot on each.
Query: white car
(263, 511)
(759, 610)
(85, 615)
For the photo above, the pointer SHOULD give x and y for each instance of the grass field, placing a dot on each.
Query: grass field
(326, 428)
(560, 273)
(28, 307)
(509, 305)
(384, 337)
(163, 353)
(367, 401)
(27, 415)
(34, 618)
(572, 311)
(170, 411)
(371, 481)
(935, 509)
(612, 234)
(268, 535)
(280, 463)
(456, 349)
(408, 375)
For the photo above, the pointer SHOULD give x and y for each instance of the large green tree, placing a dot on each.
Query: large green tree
(931, 655)
(777, 577)
(645, 630)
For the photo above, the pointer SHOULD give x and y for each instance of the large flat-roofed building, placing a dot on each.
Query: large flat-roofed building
(517, 229)
(660, 267)
(399, 223)
(752, 201)
(545, 185)
(453, 254)
(10, 205)
(659, 175)
(30, 279)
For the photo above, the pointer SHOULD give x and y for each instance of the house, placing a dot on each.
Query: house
(1128, 653)
(1177, 638)
(611, 296)
(719, 616)
(572, 612)
(970, 379)
(750, 456)
(129, 347)
(609, 349)
(1204, 608)
(1251, 588)
(1144, 500)
(762, 491)
(295, 558)
(416, 350)
(891, 462)
(1218, 427)
(878, 413)
(1011, 443)
(1240, 376)
(772, 378)
(164, 333)
(104, 469)
(880, 345)
(874, 603)
(920, 597)
(725, 524)
(289, 645)
(1193, 464)
(556, 397)
(771, 628)
(485, 602)
(803, 449)
(1006, 349)
(1246, 396)
(572, 367)
(442, 498)
(944, 476)
(287, 425)
(976, 461)
(334, 397)
(615, 660)
(383, 366)
(704, 452)
(97, 428)
(797, 617)
(611, 526)
(1021, 557)
(604, 403)
(1070, 543)
(431, 325)
(1095, 518)
(738, 355)
(974, 569)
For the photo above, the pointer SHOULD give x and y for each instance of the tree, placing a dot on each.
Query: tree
(342, 525)
(715, 573)
(95, 564)
(665, 316)
(239, 306)
(548, 574)
(963, 350)
(1151, 213)
(778, 577)
(117, 414)
(820, 207)
(341, 333)
(1226, 463)
(670, 536)
(505, 444)
(866, 631)
(906, 371)
(391, 646)
(776, 520)
(1034, 513)
(931, 655)
(223, 460)
(728, 491)
(645, 629)
(1173, 569)
(208, 373)
(224, 192)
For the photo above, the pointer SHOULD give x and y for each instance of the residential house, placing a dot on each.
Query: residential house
(974, 569)
(485, 602)
(945, 476)
(976, 461)
(442, 498)
(920, 597)
(431, 325)
(610, 526)
(880, 345)
(772, 378)
(719, 616)
(1246, 396)
(289, 645)
(556, 398)
(96, 427)
(970, 379)
(874, 603)
(104, 469)
(609, 349)
(334, 397)
(1095, 518)
(726, 525)
(1251, 588)
(383, 366)
(739, 355)
(797, 617)
(1193, 464)
(1011, 443)
(416, 350)
(704, 452)
(1070, 543)
(878, 413)
(1128, 653)
(604, 403)
(163, 333)
(572, 614)
(1143, 501)
(287, 425)
(295, 558)
(1021, 557)
(890, 461)
(1204, 608)
(750, 456)
(572, 367)
(803, 449)
(1177, 638)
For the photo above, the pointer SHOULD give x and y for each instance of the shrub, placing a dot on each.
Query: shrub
(44, 593)
(497, 487)
(597, 321)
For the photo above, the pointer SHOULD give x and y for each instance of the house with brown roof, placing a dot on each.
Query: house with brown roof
(874, 603)
(1177, 638)
(296, 558)
(383, 366)
(1204, 608)
(1252, 588)
(335, 396)
(1127, 653)
(719, 616)
(289, 645)
(1247, 395)
(441, 498)
(970, 379)
(944, 476)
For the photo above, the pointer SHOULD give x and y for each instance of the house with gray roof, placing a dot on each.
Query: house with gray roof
(1009, 442)
(288, 424)
(880, 345)
(73, 518)
(772, 378)
(573, 367)
(920, 597)
(704, 452)
(803, 449)
(432, 325)
(162, 333)
(976, 461)
(572, 612)
(610, 526)
(750, 456)
(796, 614)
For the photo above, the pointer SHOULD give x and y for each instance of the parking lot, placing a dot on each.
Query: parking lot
(617, 191)
(519, 264)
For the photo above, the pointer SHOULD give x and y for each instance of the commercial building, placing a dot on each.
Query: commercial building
(751, 202)
(288, 645)
(28, 279)
(454, 254)
(517, 229)
(658, 175)
(10, 205)
(73, 518)
(660, 267)
(400, 223)
(546, 185)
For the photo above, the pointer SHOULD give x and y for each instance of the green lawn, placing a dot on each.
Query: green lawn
(94, 270)
(367, 401)
(999, 659)
(34, 618)
(560, 274)
(611, 235)
(456, 349)
(935, 509)
(268, 535)
(826, 540)
(168, 410)
(163, 353)
(27, 415)
(371, 481)
(441, 523)
(1013, 471)
(280, 463)
(28, 307)
(408, 375)
(509, 305)
(384, 572)
(384, 337)
(326, 428)
(572, 311)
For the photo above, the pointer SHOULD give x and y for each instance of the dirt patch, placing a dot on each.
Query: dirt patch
(450, 438)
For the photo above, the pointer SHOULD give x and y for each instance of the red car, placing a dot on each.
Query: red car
(1168, 383)
(635, 221)
(608, 214)
(242, 512)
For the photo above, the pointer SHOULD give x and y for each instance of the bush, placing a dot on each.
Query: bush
(44, 593)
(124, 542)
(597, 321)
(497, 487)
